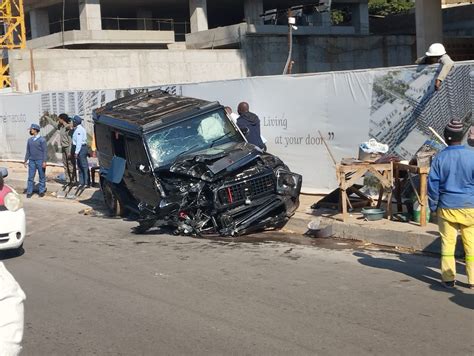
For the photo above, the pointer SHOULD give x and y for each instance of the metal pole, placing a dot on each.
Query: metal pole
(290, 44)
(62, 22)
(290, 49)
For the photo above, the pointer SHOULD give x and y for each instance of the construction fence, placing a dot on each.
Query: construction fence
(396, 106)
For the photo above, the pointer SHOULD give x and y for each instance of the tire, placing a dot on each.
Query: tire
(112, 202)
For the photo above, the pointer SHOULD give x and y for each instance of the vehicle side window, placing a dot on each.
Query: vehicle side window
(136, 152)
(103, 135)
(118, 143)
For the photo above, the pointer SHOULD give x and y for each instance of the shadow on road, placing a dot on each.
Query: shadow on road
(407, 265)
(9, 254)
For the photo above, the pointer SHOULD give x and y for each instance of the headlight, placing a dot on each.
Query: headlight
(288, 183)
(12, 202)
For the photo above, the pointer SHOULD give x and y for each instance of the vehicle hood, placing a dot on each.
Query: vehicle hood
(216, 162)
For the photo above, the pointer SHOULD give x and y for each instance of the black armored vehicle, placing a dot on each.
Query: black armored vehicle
(167, 160)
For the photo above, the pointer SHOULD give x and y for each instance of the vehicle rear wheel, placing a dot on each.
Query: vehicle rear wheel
(112, 203)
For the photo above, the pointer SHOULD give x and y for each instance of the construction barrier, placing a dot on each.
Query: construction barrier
(298, 113)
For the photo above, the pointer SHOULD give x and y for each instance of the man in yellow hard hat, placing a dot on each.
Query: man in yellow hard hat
(437, 54)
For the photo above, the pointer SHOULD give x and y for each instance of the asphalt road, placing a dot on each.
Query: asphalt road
(94, 288)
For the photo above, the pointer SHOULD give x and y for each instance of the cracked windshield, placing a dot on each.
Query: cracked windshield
(196, 134)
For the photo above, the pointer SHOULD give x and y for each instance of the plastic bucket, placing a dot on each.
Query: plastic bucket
(417, 215)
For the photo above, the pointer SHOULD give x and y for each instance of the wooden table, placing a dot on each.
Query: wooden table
(422, 195)
(349, 174)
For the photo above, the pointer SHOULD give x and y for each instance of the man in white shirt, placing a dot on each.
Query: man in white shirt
(11, 314)
(79, 143)
(437, 54)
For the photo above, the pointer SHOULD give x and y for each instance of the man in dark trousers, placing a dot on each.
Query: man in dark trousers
(66, 130)
(79, 143)
(36, 156)
(249, 124)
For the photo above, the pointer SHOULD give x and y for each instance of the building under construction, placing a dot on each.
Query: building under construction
(86, 44)
(161, 23)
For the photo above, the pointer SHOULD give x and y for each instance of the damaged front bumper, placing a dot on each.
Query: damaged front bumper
(232, 208)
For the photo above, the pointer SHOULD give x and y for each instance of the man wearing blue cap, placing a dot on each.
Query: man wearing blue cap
(79, 143)
(36, 157)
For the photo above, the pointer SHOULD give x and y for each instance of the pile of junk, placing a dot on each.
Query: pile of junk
(380, 184)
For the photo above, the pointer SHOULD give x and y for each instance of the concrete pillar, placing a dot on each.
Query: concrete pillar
(143, 23)
(360, 17)
(198, 11)
(429, 24)
(39, 22)
(90, 15)
(252, 11)
(322, 19)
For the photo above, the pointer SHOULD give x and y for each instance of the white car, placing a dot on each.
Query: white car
(12, 216)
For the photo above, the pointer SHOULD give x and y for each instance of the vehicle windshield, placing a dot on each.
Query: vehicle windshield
(196, 134)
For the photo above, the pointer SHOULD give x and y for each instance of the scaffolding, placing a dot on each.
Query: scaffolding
(12, 34)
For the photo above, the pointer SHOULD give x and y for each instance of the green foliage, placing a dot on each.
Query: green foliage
(337, 16)
(389, 7)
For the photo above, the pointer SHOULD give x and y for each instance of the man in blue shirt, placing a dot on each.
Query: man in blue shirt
(36, 157)
(451, 194)
(79, 144)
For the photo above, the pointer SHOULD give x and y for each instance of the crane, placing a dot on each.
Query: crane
(12, 34)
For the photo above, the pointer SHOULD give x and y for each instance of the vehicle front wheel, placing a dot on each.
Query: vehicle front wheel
(112, 203)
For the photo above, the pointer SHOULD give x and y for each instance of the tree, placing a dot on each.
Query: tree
(389, 7)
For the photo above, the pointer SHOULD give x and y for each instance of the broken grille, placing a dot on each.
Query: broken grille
(248, 189)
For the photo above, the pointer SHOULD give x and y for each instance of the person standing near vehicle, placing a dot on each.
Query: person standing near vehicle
(36, 157)
(66, 130)
(11, 314)
(451, 194)
(79, 142)
(249, 124)
(437, 54)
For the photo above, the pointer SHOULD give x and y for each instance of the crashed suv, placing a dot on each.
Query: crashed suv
(167, 160)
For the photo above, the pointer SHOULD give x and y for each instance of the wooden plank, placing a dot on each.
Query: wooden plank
(344, 205)
(407, 167)
(381, 177)
(423, 197)
(357, 175)
(356, 167)
(398, 188)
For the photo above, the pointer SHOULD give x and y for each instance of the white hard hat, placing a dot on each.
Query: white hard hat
(436, 50)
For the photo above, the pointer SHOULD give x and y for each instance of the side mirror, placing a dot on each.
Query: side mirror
(3, 172)
(143, 169)
(245, 131)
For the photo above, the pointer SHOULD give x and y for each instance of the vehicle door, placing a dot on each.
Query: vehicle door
(139, 177)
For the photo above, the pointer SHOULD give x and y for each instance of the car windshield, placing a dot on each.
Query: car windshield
(196, 134)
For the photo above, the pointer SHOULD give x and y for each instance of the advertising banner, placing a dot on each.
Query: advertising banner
(396, 106)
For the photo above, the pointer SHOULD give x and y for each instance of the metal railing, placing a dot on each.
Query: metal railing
(137, 23)
(180, 28)
(69, 25)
